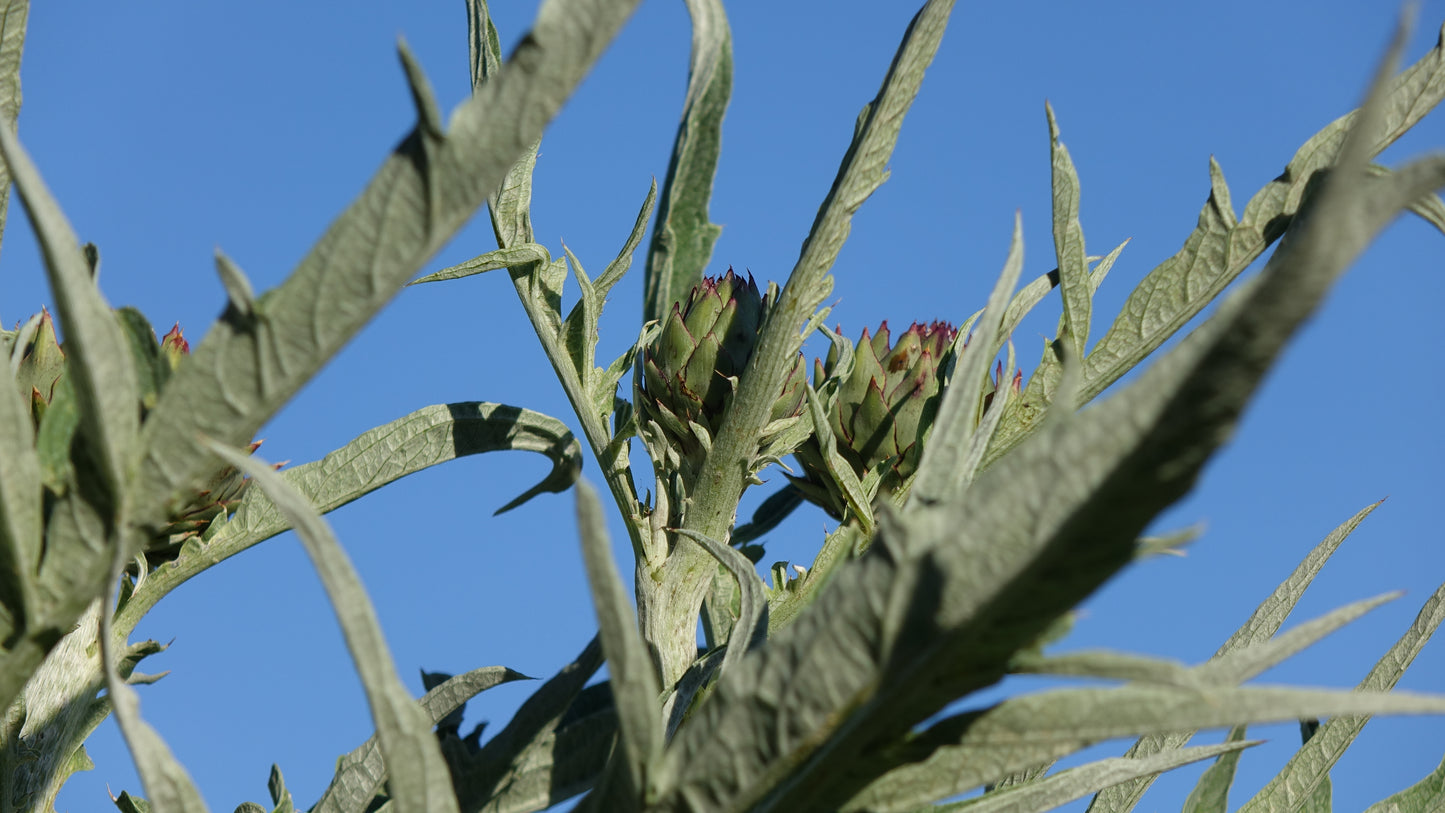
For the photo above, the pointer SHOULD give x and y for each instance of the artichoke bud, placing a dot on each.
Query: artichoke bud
(883, 408)
(690, 368)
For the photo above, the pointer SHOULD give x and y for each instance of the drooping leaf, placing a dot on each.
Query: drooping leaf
(417, 441)
(418, 777)
(683, 240)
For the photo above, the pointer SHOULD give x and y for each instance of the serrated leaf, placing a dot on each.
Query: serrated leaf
(1295, 785)
(969, 750)
(1425, 796)
(683, 240)
(1075, 783)
(1261, 626)
(423, 193)
(419, 780)
(628, 664)
(424, 438)
(361, 773)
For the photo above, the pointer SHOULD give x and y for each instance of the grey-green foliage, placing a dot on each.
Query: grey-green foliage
(821, 693)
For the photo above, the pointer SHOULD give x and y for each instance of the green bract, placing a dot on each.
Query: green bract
(883, 409)
(691, 368)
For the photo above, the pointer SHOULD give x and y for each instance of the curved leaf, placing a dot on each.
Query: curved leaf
(424, 438)
(14, 14)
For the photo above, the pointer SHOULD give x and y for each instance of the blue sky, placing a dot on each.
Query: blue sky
(167, 129)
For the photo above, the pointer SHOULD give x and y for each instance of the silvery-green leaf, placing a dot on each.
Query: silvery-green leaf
(512, 257)
(21, 531)
(1295, 785)
(751, 629)
(418, 776)
(1261, 626)
(969, 750)
(683, 240)
(1075, 783)
(425, 438)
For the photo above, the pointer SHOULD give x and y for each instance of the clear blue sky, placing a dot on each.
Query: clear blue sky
(167, 129)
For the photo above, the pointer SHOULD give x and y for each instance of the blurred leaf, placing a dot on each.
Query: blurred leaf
(98, 360)
(424, 438)
(1075, 783)
(1425, 796)
(683, 240)
(969, 750)
(1266, 620)
(1211, 792)
(634, 683)
(245, 369)
(1295, 785)
(418, 777)
(14, 14)
(361, 773)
